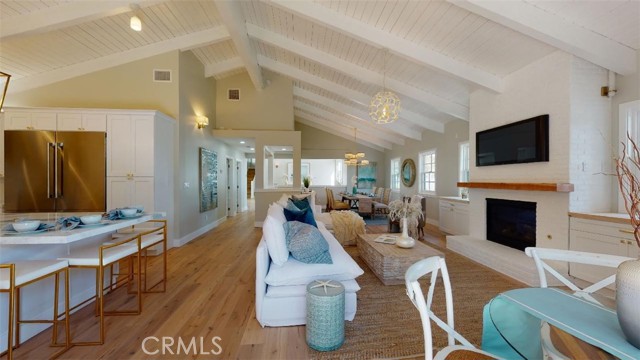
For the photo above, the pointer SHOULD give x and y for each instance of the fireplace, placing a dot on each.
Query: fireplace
(511, 223)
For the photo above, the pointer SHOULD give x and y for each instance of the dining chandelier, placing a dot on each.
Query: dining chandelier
(355, 158)
(385, 105)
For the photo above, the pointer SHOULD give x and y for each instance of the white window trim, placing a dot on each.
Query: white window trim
(460, 169)
(420, 171)
(391, 174)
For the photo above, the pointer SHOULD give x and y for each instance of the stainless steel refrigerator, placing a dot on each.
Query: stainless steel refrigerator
(48, 171)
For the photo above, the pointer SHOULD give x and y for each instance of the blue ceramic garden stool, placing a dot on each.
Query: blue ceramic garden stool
(325, 315)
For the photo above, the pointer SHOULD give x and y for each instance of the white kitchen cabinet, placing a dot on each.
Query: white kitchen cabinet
(82, 122)
(29, 120)
(130, 191)
(602, 237)
(130, 145)
(454, 217)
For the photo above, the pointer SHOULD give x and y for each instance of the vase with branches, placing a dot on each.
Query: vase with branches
(409, 214)
(628, 274)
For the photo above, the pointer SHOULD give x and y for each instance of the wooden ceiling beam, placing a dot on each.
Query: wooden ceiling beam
(232, 16)
(341, 130)
(556, 31)
(360, 73)
(382, 39)
(361, 125)
(223, 66)
(201, 37)
(343, 91)
(65, 15)
(355, 114)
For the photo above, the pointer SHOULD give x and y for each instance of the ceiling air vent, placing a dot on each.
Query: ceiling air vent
(162, 75)
(233, 94)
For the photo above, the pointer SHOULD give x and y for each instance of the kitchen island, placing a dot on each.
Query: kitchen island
(52, 245)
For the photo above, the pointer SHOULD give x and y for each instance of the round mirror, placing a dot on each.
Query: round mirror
(408, 172)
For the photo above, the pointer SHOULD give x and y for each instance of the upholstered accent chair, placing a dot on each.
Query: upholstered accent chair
(333, 204)
(382, 207)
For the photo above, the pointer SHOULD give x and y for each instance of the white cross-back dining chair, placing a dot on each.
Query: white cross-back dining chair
(539, 256)
(435, 265)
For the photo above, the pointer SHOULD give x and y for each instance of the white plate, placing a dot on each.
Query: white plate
(13, 232)
(132, 217)
(102, 223)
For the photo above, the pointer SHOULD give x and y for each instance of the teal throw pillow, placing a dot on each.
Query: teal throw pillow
(305, 216)
(300, 203)
(306, 243)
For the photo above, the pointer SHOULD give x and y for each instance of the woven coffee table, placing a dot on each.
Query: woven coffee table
(390, 262)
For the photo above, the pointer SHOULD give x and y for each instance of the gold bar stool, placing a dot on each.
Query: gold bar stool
(17, 275)
(98, 258)
(152, 233)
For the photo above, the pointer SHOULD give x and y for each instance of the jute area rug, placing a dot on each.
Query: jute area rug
(387, 326)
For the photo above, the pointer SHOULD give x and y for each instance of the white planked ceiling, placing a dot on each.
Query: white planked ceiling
(338, 53)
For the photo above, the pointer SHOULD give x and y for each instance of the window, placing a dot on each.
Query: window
(395, 174)
(428, 171)
(463, 166)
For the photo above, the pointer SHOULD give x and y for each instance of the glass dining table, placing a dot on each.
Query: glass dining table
(511, 324)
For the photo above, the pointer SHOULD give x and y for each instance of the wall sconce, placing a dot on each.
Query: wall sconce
(4, 85)
(202, 121)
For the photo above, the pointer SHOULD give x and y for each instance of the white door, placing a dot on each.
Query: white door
(119, 192)
(229, 185)
(119, 146)
(43, 121)
(143, 143)
(143, 193)
(94, 122)
(238, 202)
(17, 121)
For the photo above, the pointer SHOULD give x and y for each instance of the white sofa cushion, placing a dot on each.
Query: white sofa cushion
(350, 286)
(274, 236)
(294, 272)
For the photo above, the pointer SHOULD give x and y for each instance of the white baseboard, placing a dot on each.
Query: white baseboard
(185, 239)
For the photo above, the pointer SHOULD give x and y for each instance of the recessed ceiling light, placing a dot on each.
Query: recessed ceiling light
(242, 142)
(284, 149)
(252, 149)
(135, 23)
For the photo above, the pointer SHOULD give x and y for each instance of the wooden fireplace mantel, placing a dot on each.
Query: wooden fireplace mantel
(556, 187)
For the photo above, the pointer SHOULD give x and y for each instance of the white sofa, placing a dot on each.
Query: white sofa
(281, 289)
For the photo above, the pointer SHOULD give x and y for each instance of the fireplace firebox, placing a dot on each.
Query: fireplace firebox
(511, 223)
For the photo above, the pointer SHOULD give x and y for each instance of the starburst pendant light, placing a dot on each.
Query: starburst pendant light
(385, 105)
(355, 158)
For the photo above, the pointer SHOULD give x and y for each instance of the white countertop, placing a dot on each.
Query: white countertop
(455, 198)
(67, 236)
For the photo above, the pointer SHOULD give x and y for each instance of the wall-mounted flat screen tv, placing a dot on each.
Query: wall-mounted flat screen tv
(519, 142)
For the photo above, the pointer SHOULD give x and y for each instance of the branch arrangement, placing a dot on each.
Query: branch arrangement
(628, 171)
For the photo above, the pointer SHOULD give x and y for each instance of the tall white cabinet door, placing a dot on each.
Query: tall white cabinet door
(143, 191)
(120, 146)
(143, 142)
(119, 192)
(69, 122)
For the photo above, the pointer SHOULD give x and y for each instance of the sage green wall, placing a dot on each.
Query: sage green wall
(268, 109)
(446, 146)
(197, 97)
(128, 86)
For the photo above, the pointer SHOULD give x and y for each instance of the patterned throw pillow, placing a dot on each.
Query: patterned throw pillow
(292, 213)
(306, 243)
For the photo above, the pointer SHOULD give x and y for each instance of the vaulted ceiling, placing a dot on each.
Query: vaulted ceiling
(338, 53)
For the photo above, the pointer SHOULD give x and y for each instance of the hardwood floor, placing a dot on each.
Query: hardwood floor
(210, 297)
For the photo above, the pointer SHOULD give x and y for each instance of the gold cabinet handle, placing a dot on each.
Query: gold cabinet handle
(629, 242)
(623, 242)
(626, 231)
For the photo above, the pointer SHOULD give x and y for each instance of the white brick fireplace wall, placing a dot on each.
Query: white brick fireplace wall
(559, 85)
